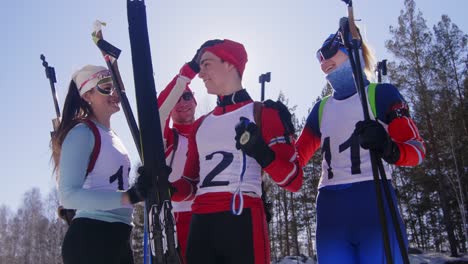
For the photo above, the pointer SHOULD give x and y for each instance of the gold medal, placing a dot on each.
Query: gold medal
(244, 138)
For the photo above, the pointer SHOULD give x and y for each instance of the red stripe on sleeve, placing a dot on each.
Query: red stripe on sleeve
(285, 169)
(404, 132)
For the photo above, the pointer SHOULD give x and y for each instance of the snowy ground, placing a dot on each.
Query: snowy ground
(295, 260)
(427, 258)
(436, 258)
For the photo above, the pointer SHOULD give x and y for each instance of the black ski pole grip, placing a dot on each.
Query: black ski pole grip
(109, 48)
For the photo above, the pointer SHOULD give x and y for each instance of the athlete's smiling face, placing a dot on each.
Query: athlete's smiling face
(184, 110)
(213, 72)
(329, 65)
(104, 99)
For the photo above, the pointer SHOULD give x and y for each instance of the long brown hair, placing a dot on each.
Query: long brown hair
(74, 109)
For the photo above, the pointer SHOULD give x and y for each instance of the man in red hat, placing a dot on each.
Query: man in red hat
(227, 152)
(177, 102)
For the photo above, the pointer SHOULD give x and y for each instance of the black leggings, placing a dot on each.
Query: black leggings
(92, 241)
(221, 238)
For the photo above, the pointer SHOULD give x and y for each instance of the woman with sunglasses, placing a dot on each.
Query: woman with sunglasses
(177, 102)
(100, 230)
(348, 227)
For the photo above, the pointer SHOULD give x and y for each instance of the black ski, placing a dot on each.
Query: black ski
(158, 205)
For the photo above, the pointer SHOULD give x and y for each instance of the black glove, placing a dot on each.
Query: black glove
(143, 185)
(372, 135)
(285, 115)
(172, 189)
(195, 62)
(194, 65)
(249, 139)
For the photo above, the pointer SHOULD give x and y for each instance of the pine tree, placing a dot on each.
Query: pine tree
(411, 44)
(450, 52)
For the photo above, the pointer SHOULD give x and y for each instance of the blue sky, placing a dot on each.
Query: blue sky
(280, 37)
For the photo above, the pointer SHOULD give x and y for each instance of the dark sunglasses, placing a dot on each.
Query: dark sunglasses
(105, 90)
(331, 48)
(187, 96)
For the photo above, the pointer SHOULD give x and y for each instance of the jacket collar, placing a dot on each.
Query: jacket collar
(236, 97)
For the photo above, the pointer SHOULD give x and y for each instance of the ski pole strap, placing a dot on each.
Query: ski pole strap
(97, 27)
(238, 191)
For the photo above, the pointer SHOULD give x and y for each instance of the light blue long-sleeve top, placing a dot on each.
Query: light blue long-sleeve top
(96, 195)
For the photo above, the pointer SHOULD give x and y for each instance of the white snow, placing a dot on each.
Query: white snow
(426, 258)
(435, 258)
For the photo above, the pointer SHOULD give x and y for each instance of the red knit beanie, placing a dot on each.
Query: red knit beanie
(232, 52)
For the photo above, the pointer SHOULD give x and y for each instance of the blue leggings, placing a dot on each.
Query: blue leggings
(348, 226)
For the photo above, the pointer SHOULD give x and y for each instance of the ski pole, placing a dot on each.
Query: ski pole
(353, 44)
(353, 49)
(111, 54)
